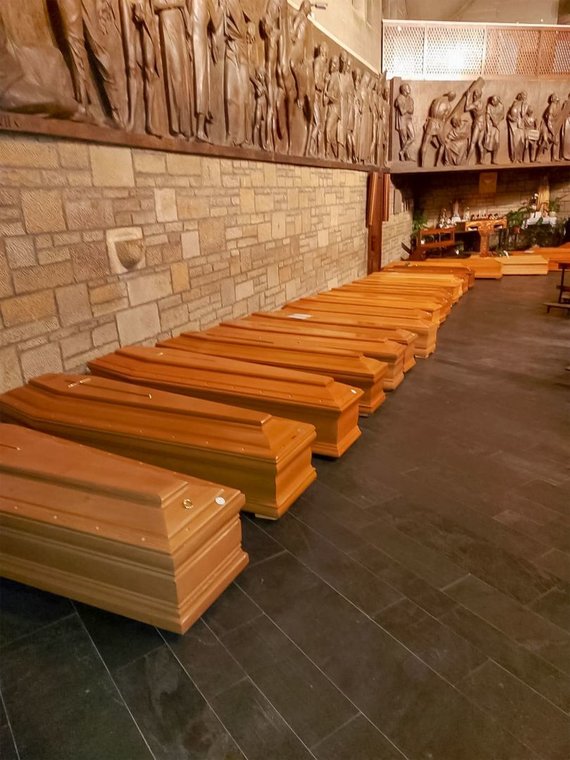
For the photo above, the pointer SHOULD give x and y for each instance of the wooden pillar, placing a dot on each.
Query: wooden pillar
(376, 208)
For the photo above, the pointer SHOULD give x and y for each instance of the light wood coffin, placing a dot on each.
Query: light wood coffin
(485, 267)
(344, 366)
(425, 329)
(459, 270)
(351, 304)
(554, 256)
(524, 263)
(403, 290)
(268, 458)
(367, 297)
(284, 320)
(315, 399)
(446, 284)
(389, 352)
(125, 536)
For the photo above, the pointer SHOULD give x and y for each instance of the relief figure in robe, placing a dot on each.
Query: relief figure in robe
(515, 127)
(206, 20)
(236, 72)
(272, 27)
(363, 145)
(475, 106)
(345, 78)
(332, 104)
(260, 126)
(316, 143)
(531, 134)
(494, 115)
(433, 135)
(385, 126)
(176, 35)
(357, 111)
(404, 107)
(548, 139)
(93, 27)
(456, 142)
(565, 131)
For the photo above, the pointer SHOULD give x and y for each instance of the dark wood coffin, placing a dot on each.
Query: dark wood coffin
(125, 536)
(346, 367)
(425, 329)
(388, 351)
(315, 399)
(266, 457)
(283, 320)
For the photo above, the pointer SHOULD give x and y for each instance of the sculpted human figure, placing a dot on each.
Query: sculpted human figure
(385, 125)
(565, 131)
(260, 127)
(251, 69)
(349, 84)
(332, 102)
(375, 117)
(345, 81)
(433, 129)
(363, 144)
(95, 26)
(404, 107)
(357, 112)
(316, 142)
(456, 142)
(236, 71)
(548, 139)
(298, 36)
(207, 17)
(494, 115)
(475, 106)
(271, 25)
(515, 127)
(176, 35)
(530, 127)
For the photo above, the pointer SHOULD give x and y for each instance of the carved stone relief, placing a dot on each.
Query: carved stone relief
(236, 73)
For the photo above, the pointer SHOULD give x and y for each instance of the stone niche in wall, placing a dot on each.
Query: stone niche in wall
(503, 123)
(236, 78)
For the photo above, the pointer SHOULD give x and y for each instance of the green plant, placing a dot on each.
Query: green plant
(516, 217)
(419, 221)
(554, 205)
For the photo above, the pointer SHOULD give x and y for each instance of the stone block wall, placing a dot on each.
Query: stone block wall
(397, 230)
(218, 238)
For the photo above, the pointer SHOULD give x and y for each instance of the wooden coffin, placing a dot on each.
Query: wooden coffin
(448, 284)
(466, 274)
(406, 289)
(268, 458)
(524, 263)
(484, 267)
(425, 330)
(125, 536)
(315, 399)
(354, 304)
(554, 256)
(344, 366)
(368, 297)
(278, 320)
(389, 352)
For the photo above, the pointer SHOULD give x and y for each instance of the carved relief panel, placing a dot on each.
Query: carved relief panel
(441, 125)
(211, 76)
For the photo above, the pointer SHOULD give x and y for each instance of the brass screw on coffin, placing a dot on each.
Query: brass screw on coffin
(187, 504)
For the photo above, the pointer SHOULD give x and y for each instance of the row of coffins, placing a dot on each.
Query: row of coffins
(244, 405)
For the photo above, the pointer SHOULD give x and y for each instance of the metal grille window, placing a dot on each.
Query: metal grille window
(428, 50)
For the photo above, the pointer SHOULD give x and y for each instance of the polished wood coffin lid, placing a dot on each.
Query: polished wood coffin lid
(333, 314)
(365, 298)
(344, 366)
(386, 351)
(284, 322)
(268, 458)
(447, 285)
(413, 291)
(395, 316)
(459, 270)
(316, 399)
(122, 535)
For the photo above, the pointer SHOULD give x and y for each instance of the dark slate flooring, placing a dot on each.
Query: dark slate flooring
(413, 604)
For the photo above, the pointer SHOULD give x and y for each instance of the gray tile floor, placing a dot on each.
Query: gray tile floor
(412, 604)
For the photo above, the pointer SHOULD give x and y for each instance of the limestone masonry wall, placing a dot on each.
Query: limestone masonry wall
(219, 238)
